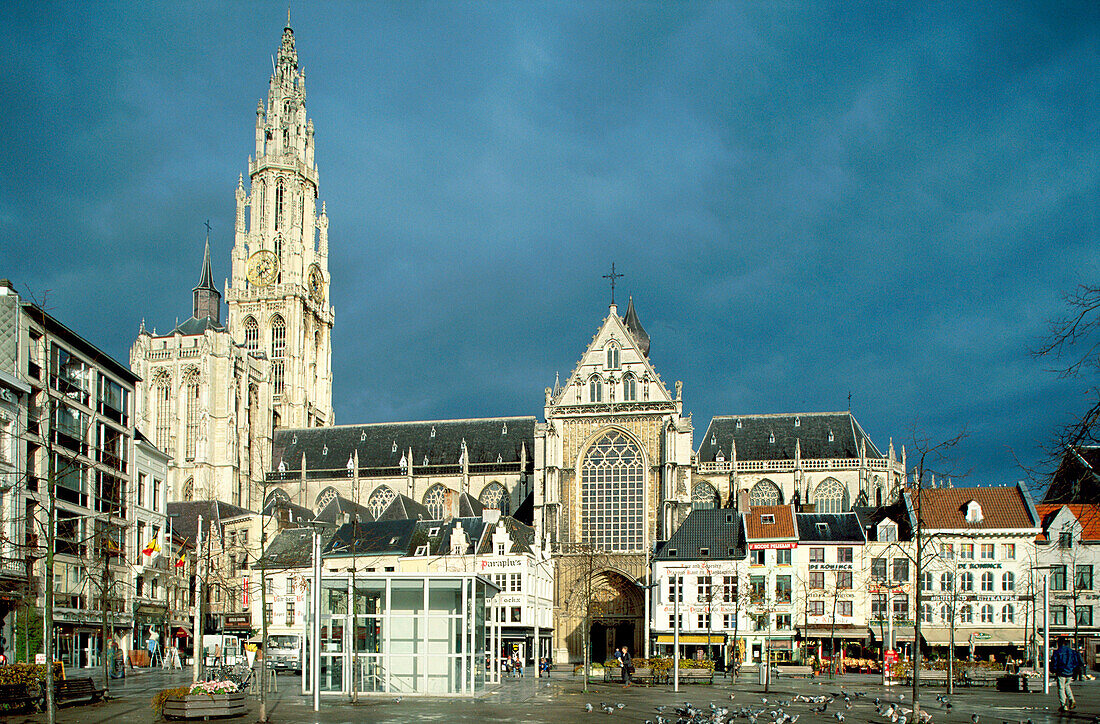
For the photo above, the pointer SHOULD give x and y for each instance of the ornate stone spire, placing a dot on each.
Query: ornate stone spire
(207, 298)
(634, 326)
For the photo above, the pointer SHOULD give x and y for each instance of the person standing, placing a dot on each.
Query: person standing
(627, 666)
(1064, 664)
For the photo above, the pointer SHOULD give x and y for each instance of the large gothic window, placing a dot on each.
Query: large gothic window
(703, 496)
(830, 497)
(630, 388)
(380, 499)
(162, 400)
(191, 406)
(325, 497)
(278, 351)
(595, 389)
(612, 356)
(765, 493)
(189, 489)
(494, 495)
(251, 334)
(613, 494)
(434, 500)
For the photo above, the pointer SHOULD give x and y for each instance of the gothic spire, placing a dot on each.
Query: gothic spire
(634, 326)
(207, 298)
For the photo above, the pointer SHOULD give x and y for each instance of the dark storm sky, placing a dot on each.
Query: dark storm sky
(805, 201)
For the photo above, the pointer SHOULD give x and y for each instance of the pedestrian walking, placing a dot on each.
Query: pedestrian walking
(627, 666)
(1064, 664)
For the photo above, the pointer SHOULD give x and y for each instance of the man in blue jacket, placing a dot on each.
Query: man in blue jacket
(1063, 664)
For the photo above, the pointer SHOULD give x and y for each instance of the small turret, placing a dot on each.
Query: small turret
(207, 298)
(634, 326)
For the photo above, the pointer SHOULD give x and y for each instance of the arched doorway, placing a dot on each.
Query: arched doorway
(617, 616)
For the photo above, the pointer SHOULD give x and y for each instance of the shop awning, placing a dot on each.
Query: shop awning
(183, 631)
(713, 640)
(901, 633)
(849, 632)
(984, 636)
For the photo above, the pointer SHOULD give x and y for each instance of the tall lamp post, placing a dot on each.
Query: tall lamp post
(1046, 624)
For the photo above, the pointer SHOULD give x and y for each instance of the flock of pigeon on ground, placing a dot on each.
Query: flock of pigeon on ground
(777, 711)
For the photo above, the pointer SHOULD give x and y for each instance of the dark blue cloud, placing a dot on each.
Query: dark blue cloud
(806, 201)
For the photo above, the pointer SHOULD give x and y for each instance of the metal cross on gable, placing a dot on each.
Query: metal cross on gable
(207, 225)
(612, 276)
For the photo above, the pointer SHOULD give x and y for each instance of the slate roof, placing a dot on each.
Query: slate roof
(838, 528)
(294, 513)
(1087, 515)
(339, 507)
(753, 438)
(523, 536)
(292, 548)
(380, 537)
(1005, 507)
(782, 529)
(382, 445)
(899, 513)
(403, 507)
(197, 326)
(1077, 479)
(717, 530)
(525, 513)
(184, 515)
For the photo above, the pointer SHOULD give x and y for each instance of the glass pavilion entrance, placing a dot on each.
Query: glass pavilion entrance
(422, 633)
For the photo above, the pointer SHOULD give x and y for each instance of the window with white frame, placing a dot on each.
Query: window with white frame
(966, 614)
(987, 551)
(702, 620)
(844, 608)
(1008, 551)
(987, 582)
(987, 613)
(966, 581)
(1008, 581)
(817, 608)
(1008, 613)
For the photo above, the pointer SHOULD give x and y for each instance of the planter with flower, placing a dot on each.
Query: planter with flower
(203, 700)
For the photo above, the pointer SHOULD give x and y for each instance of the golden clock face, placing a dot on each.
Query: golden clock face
(263, 268)
(316, 285)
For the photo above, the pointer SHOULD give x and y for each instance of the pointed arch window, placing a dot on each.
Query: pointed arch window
(251, 334)
(262, 207)
(380, 499)
(703, 497)
(613, 493)
(831, 497)
(189, 489)
(765, 493)
(162, 401)
(280, 193)
(595, 389)
(435, 499)
(630, 388)
(278, 352)
(325, 497)
(191, 406)
(612, 356)
(496, 496)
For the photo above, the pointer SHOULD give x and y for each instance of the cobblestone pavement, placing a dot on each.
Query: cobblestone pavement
(562, 700)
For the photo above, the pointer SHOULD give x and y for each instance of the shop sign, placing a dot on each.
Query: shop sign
(770, 546)
(980, 565)
(238, 621)
(512, 600)
(500, 565)
(830, 566)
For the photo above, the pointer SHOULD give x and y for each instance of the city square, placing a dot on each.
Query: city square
(677, 343)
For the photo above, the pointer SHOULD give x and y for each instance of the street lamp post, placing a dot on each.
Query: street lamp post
(1046, 625)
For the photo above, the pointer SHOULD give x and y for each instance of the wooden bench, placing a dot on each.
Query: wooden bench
(795, 672)
(695, 676)
(640, 676)
(17, 697)
(73, 689)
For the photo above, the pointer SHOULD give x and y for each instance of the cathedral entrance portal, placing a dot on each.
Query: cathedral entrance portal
(615, 610)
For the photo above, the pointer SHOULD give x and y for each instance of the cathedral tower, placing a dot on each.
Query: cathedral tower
(278, 296)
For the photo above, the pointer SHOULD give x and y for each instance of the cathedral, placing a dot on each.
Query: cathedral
(244, 409)
(212, 393)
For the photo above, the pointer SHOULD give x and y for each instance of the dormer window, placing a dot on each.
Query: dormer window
(823, 528)
(738, 424)
(887, 532)
(830, 435)
(672, 551)
(500, 548)
(433, 532)
(422, 550)
(393, 541)
(704, 552)
(719, 458)
(973, 512)
(433, 431)
(767, 519)
(394, 448)
(771, 438)
(612, 356)
(797, 422)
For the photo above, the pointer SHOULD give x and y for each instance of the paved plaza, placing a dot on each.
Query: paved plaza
(562, 700)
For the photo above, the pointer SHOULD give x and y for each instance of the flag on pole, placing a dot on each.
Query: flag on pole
(152, 548)
(179, 563)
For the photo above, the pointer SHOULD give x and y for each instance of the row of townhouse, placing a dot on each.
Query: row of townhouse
(68, 441)
(798, 583)
(359, 552)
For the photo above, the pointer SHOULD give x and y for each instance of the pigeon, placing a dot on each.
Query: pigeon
(839, 717)
(620, 706)
(397, 700)
(974, 718)
(588, 707)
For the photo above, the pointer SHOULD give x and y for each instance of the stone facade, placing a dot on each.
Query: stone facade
(211, 394)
